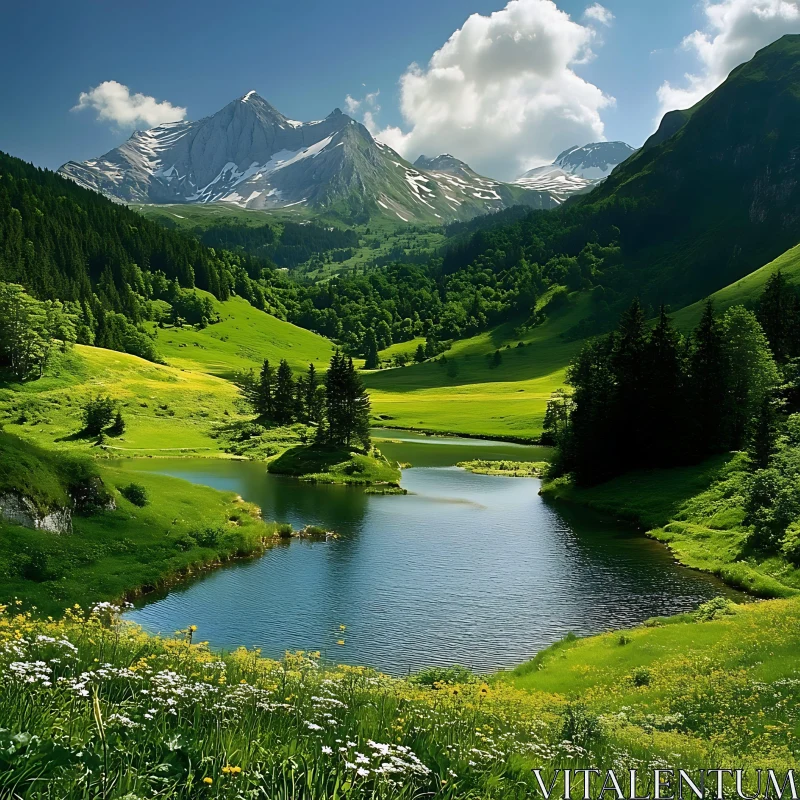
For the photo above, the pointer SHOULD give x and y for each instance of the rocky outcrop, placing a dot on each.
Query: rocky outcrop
(22, 511)
(92, 496)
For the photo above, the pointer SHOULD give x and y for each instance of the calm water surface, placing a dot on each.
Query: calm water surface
(472, 569)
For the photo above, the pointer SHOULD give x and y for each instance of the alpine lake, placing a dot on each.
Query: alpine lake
(470, 569)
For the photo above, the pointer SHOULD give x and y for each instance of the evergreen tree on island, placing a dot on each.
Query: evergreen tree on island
(348, 405)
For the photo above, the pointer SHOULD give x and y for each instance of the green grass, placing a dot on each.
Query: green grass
(241, 341)
(323, 464)
(43, 477)
(472, 397)
(512, 469)
(92, 707)
(112, 554)
(727, 685)
(168, 411)
(745, 291)
(405, 348)
(698, 513)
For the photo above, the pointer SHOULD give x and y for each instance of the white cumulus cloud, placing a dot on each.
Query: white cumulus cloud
(598, 13)
(113, 102)
(502, 93)
(734, 31)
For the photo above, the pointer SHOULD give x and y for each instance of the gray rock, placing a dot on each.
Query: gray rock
(22, 511)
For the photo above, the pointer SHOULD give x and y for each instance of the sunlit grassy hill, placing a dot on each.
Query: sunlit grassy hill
(745, 291)
(167, 410)
(726, 685)
(468, 394)
(242, 340)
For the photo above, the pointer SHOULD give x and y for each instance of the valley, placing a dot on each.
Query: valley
(331, 470)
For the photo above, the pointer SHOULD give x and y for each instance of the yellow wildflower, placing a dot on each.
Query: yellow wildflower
(208, 781)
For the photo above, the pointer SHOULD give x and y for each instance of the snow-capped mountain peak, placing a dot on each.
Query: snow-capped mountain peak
(577, 169)
(251, 155)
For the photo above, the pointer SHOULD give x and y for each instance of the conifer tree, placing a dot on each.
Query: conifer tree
(265, 401)
(764, 434)
(665, 396)
(312, 399)
(775, 313)
(370, 350)
(707, 378)
(348, 405)
(335, 383)
(591, 450)
(284, 396)
(358, 408)
(630, 377)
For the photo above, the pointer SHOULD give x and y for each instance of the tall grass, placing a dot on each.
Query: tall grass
(91, 707)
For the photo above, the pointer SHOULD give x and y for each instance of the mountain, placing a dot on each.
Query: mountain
(577, 169)
(715, 192)
(251, 155)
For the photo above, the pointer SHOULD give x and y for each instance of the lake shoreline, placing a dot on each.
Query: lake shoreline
(753, 583)
(523, 440)
(396, 553)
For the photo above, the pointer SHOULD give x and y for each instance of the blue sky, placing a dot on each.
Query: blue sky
(305, 58)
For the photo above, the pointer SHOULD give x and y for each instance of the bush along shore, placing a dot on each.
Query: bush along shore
(512, 469)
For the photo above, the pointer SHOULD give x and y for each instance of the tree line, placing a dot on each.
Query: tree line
(337, 404)
(649, 397)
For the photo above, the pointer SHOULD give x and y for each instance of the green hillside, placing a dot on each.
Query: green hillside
(167, 410)
(710, 198)
(241, 340)
(121, 540)
(467, 393)
(717, 199)
(745, 291)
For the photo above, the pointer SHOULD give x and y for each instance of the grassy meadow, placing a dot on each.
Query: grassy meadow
(144, 532)
(241, 340)
(106, 710)
(167, 410)
(468, 395)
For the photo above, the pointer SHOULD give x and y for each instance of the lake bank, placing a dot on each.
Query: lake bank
(696, 512)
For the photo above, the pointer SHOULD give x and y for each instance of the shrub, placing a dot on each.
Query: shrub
(580, 726)
(790, 546)
(284, 530)
(714, 609)
(97, 415)
(118, 428)
(183, 541)
(208, 537)
(443, 675)
(135, 493)
(641, 677)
